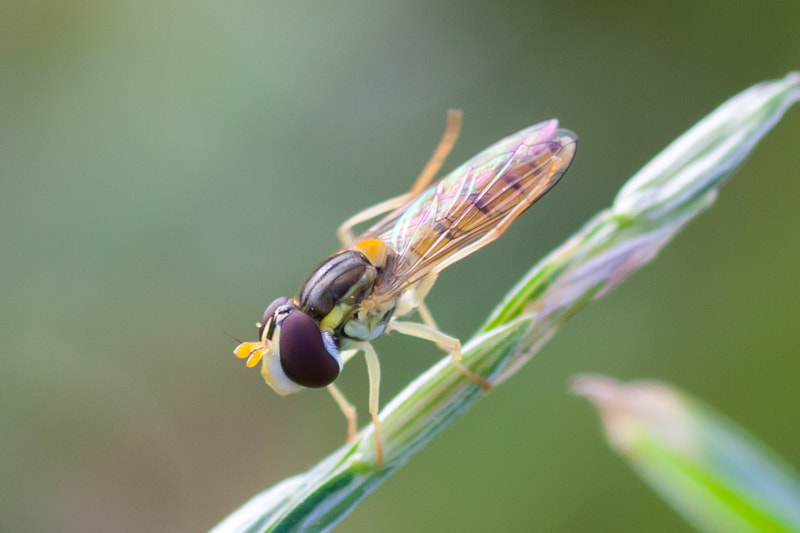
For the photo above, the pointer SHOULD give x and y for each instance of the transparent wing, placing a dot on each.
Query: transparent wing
(427, 233)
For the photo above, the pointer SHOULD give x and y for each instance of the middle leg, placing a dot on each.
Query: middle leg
(451, 344)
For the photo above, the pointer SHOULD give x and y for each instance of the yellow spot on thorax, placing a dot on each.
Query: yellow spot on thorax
(374, 250)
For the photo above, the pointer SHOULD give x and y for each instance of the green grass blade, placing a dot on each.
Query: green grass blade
(714, 474)
(679, 184)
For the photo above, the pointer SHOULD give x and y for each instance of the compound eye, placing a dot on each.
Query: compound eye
(268, 313)
(305, 358)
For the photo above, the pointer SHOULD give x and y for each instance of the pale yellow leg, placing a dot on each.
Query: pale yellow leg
(452, 130)
(452, 344)
(415, 300)
(347, 408)
(423, 288)
(434, 164)
(374, 372)
(427, 317)
(425, 314)
(346, 355)
(345, 231)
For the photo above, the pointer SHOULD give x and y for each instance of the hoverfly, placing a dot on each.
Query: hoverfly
(359, 292)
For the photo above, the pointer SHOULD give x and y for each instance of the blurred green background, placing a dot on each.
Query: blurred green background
(169, 168)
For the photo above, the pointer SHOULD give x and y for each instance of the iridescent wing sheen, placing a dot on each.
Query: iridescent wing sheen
(464, 206)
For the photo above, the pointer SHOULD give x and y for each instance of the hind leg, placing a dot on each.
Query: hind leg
(434, 164)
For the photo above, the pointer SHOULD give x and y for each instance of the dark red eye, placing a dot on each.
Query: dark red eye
(305, 358)
(269, 312)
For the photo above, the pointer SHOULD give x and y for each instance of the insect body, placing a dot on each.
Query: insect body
(358, 293)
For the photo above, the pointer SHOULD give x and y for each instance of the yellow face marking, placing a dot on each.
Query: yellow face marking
(374, 250)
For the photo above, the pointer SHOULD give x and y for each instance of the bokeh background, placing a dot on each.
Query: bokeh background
(168, 168)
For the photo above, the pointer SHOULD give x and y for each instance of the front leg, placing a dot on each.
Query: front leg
(348, 410)
(374, 372)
